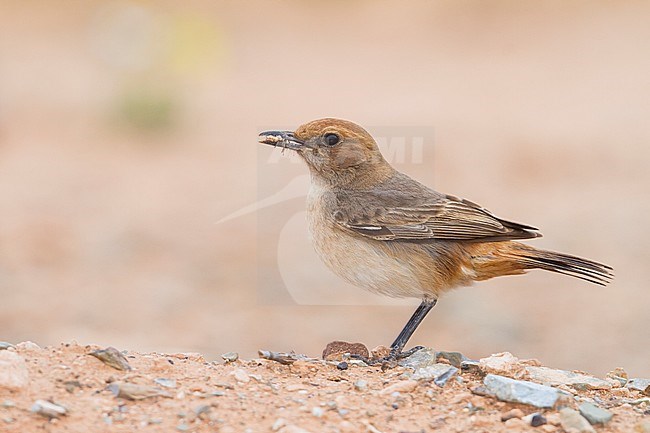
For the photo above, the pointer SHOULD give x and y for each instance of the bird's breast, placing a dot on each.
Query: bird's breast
(363, 262)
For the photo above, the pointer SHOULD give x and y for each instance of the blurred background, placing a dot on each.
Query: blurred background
(137, 209)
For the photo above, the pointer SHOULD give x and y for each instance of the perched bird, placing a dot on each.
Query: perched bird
(381, 230)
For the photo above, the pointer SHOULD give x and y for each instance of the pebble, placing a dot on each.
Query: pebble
(203, 411)
(342, 365)
(553, 377)
(4, 345)
(401, 386)
(13, 370)
(594, 414)
(420, 359)
(132, 391)
(167, 383)
(361, 385)
(535, 419)
(48, 409)
(515, 424)
(241, 375)
(440, 373)
(454, 358)
(619, 375)
(278, 424)
(521, 391)
(230, 356)
(336, 350)
(504, 364)
(317, 411)
(571, 419)
(514, 413)
(112, 357)
(28, 346)
(444, 377)
(639, 384)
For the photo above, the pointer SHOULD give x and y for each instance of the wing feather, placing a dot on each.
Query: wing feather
(447, 218)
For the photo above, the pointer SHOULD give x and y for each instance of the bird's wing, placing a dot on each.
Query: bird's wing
(447, 218)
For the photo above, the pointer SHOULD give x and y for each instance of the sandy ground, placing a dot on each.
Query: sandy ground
(128, 132)
(186, 392)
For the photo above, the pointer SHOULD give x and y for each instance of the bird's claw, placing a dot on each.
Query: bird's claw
(389, 361)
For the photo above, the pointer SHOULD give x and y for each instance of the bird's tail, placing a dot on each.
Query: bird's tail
(516, 258)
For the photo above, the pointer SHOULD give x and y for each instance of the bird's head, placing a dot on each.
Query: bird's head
(337, 151)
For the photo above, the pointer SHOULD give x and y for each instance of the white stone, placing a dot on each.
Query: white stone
(504, 364)
(13, 370)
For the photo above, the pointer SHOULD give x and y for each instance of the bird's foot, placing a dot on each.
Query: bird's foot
(391, 360)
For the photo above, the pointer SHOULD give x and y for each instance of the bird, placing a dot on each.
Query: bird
(383, 231)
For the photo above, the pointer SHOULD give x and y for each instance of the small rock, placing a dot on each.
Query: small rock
(470, 366)
(440, 373)
(594, 414)
(513, 413)
(642, 385)
(504, 364)
(619, 375)
(167, 383)
(515, 424)
(421, 359)
(454, 358)
(203, 411)
(553, 419)
(4, 345)
(112, 357)
(48, 409)
(317, 411)
(360, 385)
(281, 357)
(401, 386)
(230, 356)
(342, 365)
(571, 419)
(521, 391)
(131, 391)
(13, 370)
(28, 346)
(241, 375)
(336, 350)
(380, 352)
(72, 385)
(534, 419)
(444, 377)
(278, 424)
(552, 377)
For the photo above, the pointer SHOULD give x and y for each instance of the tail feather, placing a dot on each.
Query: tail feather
(510, 258)
(565, 264)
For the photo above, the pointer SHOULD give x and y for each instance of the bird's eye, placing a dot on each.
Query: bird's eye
(331, 139)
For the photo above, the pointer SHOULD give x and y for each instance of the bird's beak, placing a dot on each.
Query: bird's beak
(285, 139)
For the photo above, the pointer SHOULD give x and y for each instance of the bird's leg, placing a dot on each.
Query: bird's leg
(406, 333)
